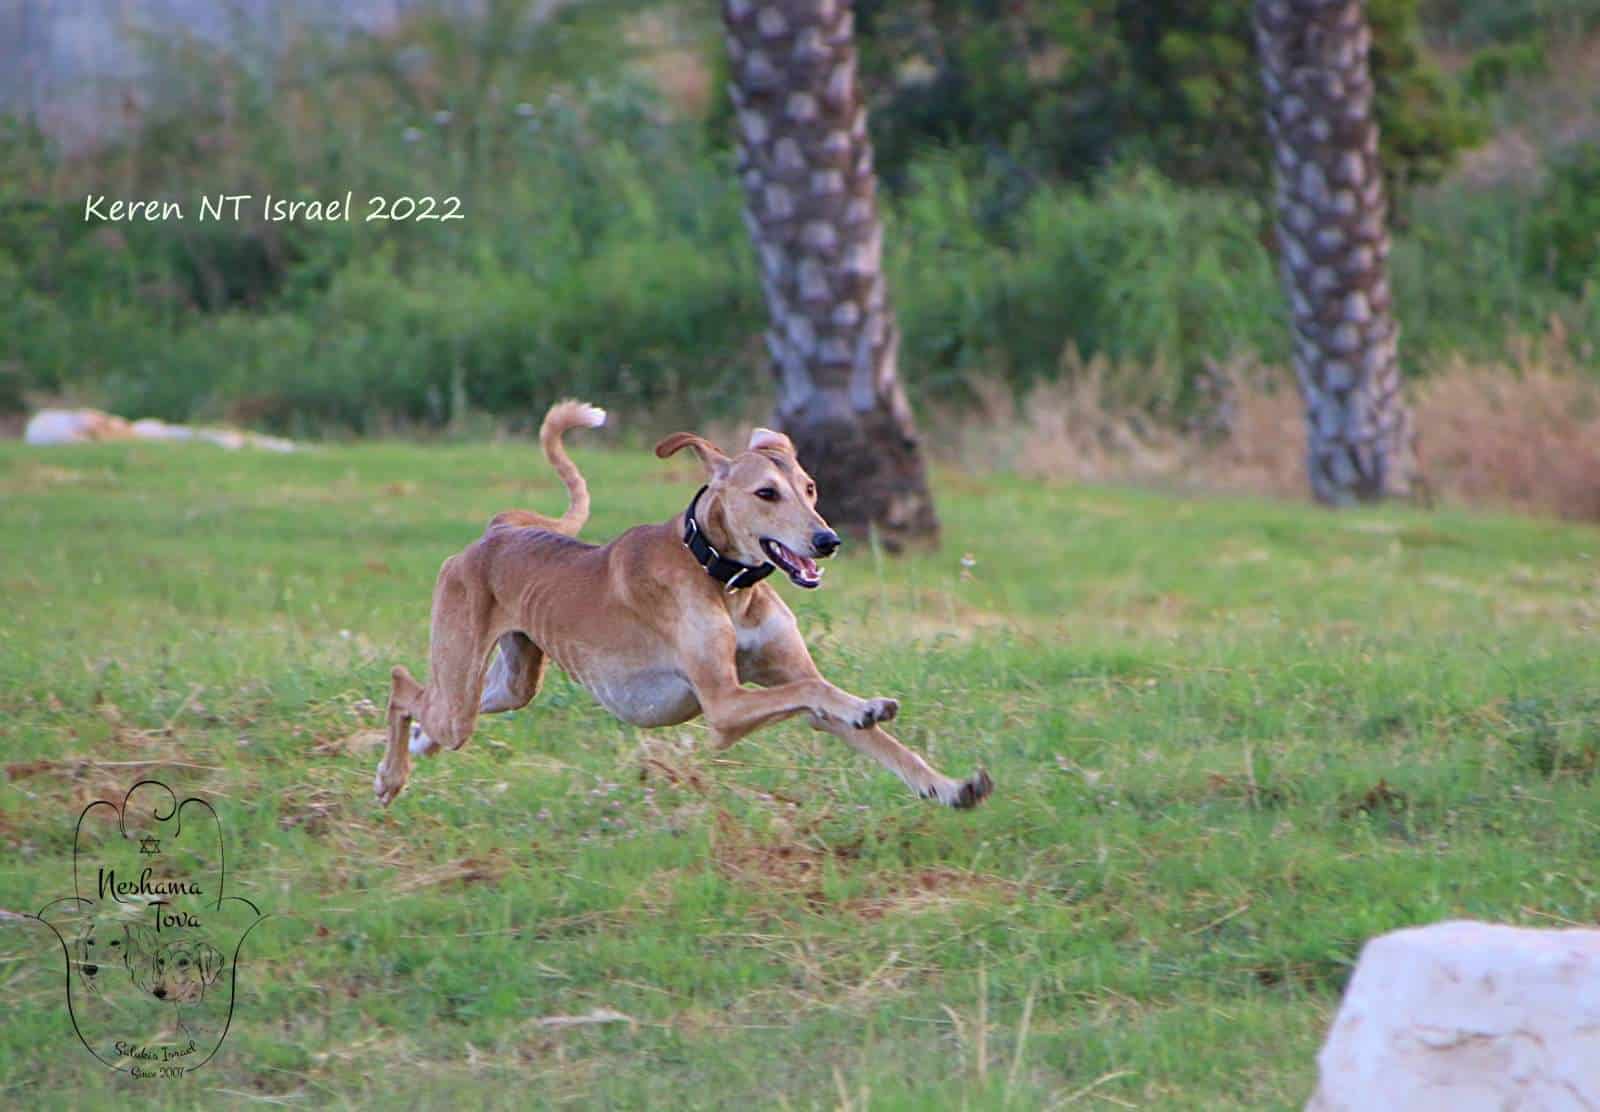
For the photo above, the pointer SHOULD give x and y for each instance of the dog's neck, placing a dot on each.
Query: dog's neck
(733, 575)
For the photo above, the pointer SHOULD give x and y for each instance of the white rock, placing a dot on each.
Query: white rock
(83, 426)
(73, 426)
(1462, 1017)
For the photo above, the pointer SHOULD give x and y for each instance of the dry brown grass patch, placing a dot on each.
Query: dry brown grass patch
(1523, 435)
(938, 888)
(357, 742)
(485, 868)
(791, 862)
(1075, 427)
(775, 863)
(315, 810)
(1528, 441)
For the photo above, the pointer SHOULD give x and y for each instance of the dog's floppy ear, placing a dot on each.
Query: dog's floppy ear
(138, 954)
(209, 958)
(138, 943)
(769, 441)
(715, 461)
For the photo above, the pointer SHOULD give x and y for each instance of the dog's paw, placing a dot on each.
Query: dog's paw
(978, 787)
(962, 794)
(874, 711)
(386, 786)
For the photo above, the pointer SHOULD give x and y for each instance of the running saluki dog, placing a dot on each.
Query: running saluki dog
(664, 623)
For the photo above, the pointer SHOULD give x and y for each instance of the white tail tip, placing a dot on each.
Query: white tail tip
(592, 416)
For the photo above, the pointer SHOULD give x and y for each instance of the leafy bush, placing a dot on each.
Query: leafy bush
(1564, 234)
(1494, 67)
(1137, 270)
(1065, 88)
(603, 251)
(1474, 23)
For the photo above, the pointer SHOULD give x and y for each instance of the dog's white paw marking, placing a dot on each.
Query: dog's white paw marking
(421, 744)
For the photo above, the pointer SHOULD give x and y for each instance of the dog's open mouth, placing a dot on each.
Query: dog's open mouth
(801, 570)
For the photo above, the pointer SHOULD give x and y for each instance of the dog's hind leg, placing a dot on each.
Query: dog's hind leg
(447, 708)
(515, 675)
(395, 768)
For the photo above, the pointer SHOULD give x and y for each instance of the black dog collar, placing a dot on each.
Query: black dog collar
(732, 573)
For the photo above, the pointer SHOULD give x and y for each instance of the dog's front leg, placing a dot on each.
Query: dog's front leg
(785, 660)
(918, 774)
(732, 711)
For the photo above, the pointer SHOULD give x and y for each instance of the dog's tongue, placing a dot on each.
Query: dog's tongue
(807, 566)
(799, 566)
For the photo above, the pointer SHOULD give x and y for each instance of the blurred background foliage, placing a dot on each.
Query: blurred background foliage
(1063, 178)
(1063, 90)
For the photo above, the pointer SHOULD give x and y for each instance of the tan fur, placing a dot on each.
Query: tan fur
(638, 622)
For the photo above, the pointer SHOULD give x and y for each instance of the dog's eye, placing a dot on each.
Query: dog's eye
(811, 490)
(767, 494)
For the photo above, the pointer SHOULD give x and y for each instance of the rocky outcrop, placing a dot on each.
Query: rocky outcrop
(1464, 1016)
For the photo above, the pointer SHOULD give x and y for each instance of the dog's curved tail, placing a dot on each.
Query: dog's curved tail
(566, 415)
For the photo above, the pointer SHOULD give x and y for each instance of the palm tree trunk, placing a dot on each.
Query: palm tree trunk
(1334, 243)
(810, 204)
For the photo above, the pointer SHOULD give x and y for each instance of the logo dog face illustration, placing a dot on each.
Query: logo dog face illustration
(178, 972)
(151, 940)
(102, 947)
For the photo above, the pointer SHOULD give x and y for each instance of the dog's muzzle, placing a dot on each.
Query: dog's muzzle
(801, 570)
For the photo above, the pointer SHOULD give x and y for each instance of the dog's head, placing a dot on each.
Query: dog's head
(104, 943)
(760, 506)
(178, 972)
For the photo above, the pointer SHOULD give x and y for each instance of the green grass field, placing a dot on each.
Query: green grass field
(1231, 740)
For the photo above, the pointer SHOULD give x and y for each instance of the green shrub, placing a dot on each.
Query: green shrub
(603, 251)
(1495, 67)
(1136, 269)
(1564, 233)
(1065, 88)
(1475, 23)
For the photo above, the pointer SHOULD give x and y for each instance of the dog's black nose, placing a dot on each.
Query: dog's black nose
(160, 993)
(826, 542)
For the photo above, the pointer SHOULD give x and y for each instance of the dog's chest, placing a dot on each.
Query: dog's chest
(752, 638)
(655, 692)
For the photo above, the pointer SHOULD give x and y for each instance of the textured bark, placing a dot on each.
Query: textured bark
(1334, 243)
(810, 203)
